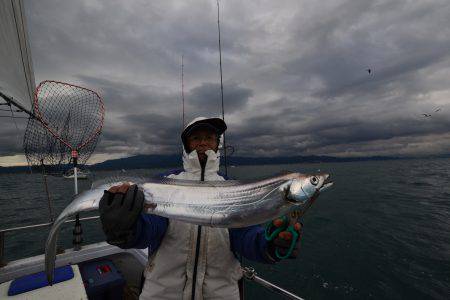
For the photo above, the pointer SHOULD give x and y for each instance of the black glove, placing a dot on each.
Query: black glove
(283, 242)
(120, 208)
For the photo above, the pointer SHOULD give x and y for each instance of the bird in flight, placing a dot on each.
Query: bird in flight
(427, 115)
(369, 71)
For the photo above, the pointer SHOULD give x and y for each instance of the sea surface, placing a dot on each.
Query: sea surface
(382, 231)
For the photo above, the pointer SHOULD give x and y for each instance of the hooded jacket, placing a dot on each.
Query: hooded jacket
(187, 261)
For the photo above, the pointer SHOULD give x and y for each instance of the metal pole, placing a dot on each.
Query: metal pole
(2, 249)
(11, 101)
(77, 231)
(75, 175)
(75, 179)
(45, 224)
(4, 231)
(250, 274)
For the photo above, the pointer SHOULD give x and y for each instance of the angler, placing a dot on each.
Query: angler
(188, 260)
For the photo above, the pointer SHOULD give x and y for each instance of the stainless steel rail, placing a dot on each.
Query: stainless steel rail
(250, 274)
(3, 236)
(44, 224)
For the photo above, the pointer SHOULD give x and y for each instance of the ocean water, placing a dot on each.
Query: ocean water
(382, 231)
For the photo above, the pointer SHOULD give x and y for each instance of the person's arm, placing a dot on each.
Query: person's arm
(149, 232)
(251, 243)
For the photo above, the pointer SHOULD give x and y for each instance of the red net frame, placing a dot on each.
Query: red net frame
(69, 120)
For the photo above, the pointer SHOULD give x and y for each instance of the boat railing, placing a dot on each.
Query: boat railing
(248, 272)
(13, 229)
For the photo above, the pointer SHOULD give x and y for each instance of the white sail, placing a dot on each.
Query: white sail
(16, 69)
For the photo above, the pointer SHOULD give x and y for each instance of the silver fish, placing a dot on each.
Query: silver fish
(229, 204)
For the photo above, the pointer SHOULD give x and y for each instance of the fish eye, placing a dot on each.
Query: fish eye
(314, 180)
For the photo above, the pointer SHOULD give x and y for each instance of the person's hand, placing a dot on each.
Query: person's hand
(283, 242)
(120, 208)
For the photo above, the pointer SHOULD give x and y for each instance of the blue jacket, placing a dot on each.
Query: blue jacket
(248, 241)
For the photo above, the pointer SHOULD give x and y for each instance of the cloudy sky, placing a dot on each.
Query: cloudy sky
(295, 73)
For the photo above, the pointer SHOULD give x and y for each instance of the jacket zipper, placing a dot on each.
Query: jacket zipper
(197, 248)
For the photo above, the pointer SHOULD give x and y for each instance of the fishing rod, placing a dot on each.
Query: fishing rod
(221, 89)
(182, 88)
(249, 273)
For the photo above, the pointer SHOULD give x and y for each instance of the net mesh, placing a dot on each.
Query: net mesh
(68, 118)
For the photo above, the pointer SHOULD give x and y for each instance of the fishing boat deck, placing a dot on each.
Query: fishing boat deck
(130, 263)
(70, 289)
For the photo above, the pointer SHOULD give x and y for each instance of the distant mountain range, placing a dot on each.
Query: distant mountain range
(174, 160)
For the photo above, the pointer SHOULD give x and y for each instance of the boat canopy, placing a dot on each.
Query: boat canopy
(16, 71)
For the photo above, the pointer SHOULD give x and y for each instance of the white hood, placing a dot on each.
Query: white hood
(191, 164)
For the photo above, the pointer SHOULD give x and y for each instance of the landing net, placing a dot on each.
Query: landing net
(68, 123)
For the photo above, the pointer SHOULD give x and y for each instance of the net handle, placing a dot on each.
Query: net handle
(45, 124)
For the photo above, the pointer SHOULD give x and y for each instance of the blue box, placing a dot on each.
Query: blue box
(37, 280)
(102, 280)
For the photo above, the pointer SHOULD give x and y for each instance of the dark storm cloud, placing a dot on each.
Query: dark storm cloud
(206, 99)
(138, 118)
(295, 78)
(286, 131)
(391, 38)
(139, 39)
(143, 119)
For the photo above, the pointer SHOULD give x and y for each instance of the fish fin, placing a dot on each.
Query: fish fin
(182, 182)
(284, 172)
(116, 179)
(141, 180)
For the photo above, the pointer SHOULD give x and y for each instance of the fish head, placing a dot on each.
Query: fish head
(304, 187)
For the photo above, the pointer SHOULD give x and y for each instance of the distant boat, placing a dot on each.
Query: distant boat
(80, 174)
